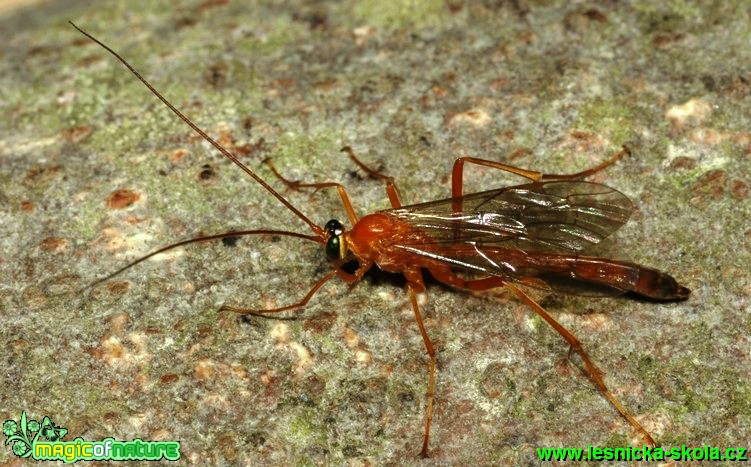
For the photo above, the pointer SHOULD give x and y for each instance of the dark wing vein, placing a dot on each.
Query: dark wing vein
(561, 216)
(504, 232)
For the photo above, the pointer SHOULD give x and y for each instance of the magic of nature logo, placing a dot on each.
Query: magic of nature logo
(44, 441)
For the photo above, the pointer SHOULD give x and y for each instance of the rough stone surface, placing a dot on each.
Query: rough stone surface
(95, 172)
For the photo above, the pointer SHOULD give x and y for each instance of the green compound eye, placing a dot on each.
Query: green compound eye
(334, 248)
(333, 227)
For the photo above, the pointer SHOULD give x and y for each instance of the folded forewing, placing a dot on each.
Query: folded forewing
(511, 232)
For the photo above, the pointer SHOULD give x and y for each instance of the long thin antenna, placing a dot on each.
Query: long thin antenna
(316, 229)
(238, 233)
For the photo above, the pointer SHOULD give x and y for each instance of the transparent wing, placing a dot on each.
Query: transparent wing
(560, 216)
(520, 232)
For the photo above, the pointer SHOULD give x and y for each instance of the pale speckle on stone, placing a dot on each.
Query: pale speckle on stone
(267, 376)
(304, 358)
(475, 117)
(363, 356)
(203, 369)
(695, 110)
(351, 339)
(280, 333)
(596, 322)
(137, 420)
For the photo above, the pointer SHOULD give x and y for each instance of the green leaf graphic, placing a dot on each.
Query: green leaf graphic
(19, 436)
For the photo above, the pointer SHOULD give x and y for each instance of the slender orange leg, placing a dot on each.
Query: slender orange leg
(339, 187)
(586, 173)
(592, 370)
(447, 276)
(457, 173)
(415, 283)
(431, 379)
(299, 304)
(391, 190)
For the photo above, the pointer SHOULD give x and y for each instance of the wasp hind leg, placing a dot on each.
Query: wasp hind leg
(448, 277)
(457, 172)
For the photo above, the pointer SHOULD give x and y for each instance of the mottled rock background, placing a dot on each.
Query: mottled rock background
(95, 172)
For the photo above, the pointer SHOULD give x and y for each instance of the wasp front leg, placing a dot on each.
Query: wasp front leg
(391, 190)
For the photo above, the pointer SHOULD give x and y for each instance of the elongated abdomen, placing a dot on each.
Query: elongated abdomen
(621, 275)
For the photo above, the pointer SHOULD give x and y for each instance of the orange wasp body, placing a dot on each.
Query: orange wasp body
(536, 234)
